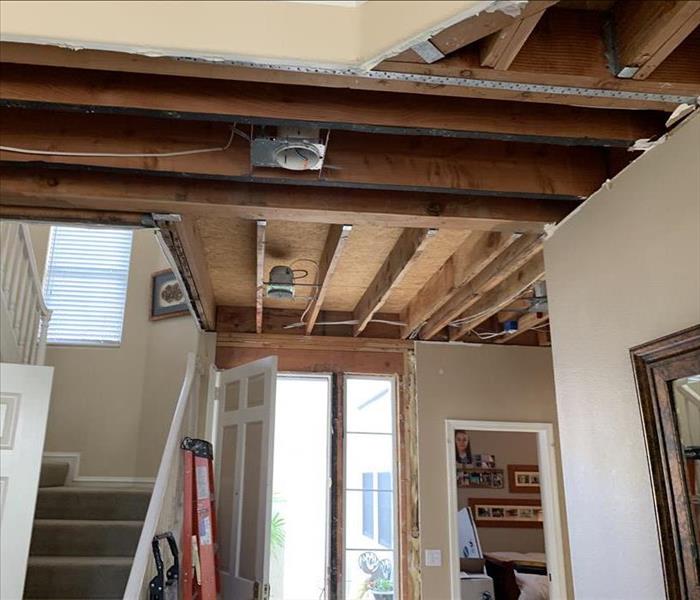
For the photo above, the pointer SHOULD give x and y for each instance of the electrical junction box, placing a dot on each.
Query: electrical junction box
(293, 148)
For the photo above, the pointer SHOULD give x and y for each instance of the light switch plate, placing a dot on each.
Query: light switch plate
(433, 558)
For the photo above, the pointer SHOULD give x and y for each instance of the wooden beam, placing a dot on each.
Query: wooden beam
(377, 161)
(335, 242)
(263, 104)
(260, 227)
(525, 323)
(483, 24)
(186, 249)
(503, 295)
(508, 261)
(67, 216)
(241, 319)
(479, 249)
(543, 69)
(402, 256)
(311, 342)
(499, 50)
(61, 189)
(646, 33)
(566, 57)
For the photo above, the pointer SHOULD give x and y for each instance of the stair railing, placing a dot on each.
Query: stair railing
(23, 312)
(165, 507)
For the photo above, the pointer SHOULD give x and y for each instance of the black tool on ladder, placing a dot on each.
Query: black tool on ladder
(164, 585)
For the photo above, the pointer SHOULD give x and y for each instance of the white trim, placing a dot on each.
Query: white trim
(74, 478)
(549, 490)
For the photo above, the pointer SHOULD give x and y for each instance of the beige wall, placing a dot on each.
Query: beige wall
(496, 383)
(509, 448)
(276, 32)
(114, 405)
(621, 271)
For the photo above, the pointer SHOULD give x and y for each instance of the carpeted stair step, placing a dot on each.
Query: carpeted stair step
(76, 577)
(63, 537)
(53, 474)
(103, 504)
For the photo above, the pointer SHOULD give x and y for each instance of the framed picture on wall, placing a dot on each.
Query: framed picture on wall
(506, 512)
(524, 479)
(471, 477)
(167, 298)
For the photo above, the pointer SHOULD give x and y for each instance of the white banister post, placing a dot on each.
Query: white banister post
(43, 333)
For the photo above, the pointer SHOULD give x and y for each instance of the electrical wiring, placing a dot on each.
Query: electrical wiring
(34, 151)
(348, 322)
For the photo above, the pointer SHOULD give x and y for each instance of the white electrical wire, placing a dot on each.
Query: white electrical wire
(348, 322)
(234, 132)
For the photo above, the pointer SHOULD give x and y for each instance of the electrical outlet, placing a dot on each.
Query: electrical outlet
(433, 558)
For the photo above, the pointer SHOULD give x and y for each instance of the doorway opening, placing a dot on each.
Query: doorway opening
(514, 495)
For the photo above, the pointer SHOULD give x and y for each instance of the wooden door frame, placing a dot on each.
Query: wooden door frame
(656, 365)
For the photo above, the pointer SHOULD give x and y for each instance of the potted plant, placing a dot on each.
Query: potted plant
(381, 588)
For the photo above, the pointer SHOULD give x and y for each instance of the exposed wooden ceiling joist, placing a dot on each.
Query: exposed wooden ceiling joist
(508, 261)
(484, 24)
(260, 228)
(260, 104)
(647, 32)
(53, 188)
(499, 50)
(332, 251)
(479, 249)
(353, 159)
(494, 300)
(566, 56)
(587, 83)
(404, 253)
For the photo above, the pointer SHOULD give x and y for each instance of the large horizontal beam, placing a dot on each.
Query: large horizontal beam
(72, 190)
(261, 103)
(353, 159)
(272, 341)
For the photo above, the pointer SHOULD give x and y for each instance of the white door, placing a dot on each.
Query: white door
(243, 438)
(24, 406)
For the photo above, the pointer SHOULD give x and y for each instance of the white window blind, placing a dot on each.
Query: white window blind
(87, 272)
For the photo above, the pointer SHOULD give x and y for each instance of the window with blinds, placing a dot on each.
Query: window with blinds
(87, 272)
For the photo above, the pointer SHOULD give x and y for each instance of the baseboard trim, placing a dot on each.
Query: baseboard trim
(74, 477)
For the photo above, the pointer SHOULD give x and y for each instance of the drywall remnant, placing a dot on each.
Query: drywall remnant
(681, 112)
(646, 144)
(512, 8)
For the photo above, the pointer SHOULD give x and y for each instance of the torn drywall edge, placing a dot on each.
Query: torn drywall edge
(608, 183)
(682, 111)
(424, 36)
(512, 8)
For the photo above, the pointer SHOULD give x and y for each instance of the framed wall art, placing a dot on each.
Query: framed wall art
(506, 512)
(167, 298)
(524, 479)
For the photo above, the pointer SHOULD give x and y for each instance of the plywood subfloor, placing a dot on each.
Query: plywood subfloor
(230, 243)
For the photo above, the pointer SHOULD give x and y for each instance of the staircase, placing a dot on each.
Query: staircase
(84, 538)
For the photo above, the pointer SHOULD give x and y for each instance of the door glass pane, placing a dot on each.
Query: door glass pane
(369, 405)
(686, 398)
(367, 453)
(227, 501)
(256, 391)
(370, 549)
(299, 528)
(233, 393)
(369, 570)
(250, 519)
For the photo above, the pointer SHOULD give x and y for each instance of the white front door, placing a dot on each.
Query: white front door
(243, 437)
(24, 406)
